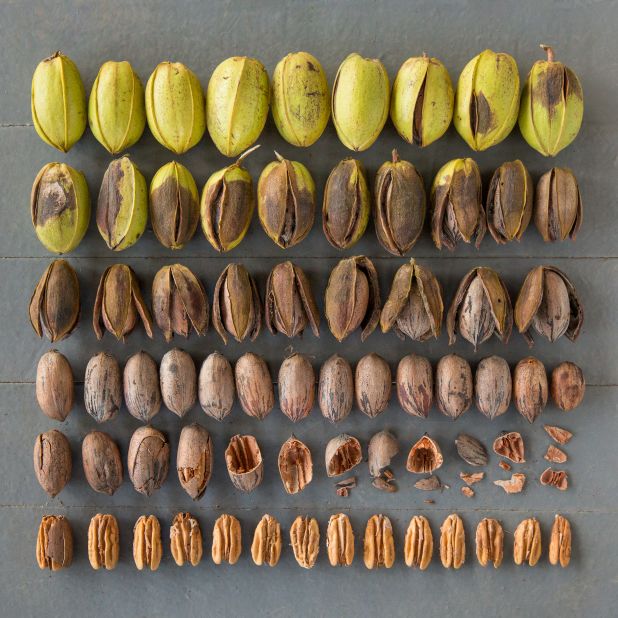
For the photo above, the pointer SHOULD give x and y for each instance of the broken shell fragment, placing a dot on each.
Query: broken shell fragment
(555, 455)
(383, 447)
(514, 485)
(295, 465)
(424, 457)
(558, 434)
(471, 450)
(342, 454)
(243, 459)
(555, 478)
(511, 446)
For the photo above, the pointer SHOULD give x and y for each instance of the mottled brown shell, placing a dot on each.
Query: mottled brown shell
(372, 385)
(148, 459)
(415, 385)
(296, 387)
(102, 387)
(55, 390)
(142, 393)
(178, 379)
(52, 461)
(493, 386)
(567, 386)
(530, 388)
(194, 460)
(336, 389)
(454, 385)
(254, 385)
(295, 465)
(216, 390)
(101, 462)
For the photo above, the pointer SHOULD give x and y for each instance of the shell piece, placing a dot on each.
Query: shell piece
(254, 385)
(175, 106)
(286, 201)
(300, 100)
(336, 389)
(418, 547)
(372, 385)
(101, 462)
(60, 207)
(568, 386)
(425, 456)
(55, 390)
(422, 100)
(54, 543)
(296, 387)
(383, 447)
(340, 540)
(186, 540)
(471, 450)
(116, 110)
(148, 459)
(560, 542)
(379, 544)
(555, 455)
(55, 303)
(481, 308)
(414, 306)
(290, 304)
(514, 485)
(352, 298)
(237, 101)
(552, 106)
(226, 540)
(295, 465)
(558, 210)
(142, 393)
(179, 302)
(457, 207)
(509, 202)
(548, 302)
(216, 390)
(52, 461)
(415, 385)
(487, 99)
(118, 303)
(399, 205)
(174, 205)
(489, 542)
(347, 204)
(266, 546)
(530, 388)
(555, 478)
(305, 541)
(102, 387)
(560, 435)
(243, 459)
(58, 102)
(527, 542)
(147, 546)
(103, 542)
(194, 460)
(493, 386)
(454, 385)
(343, 453)
(360, 101)
(122, 206)
(452, 542)
(511, 446)
(236, 307)
(178, 380)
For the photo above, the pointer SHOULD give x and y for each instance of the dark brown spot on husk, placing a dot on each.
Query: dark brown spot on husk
(54, 196)
(110, 199)
(481, 116)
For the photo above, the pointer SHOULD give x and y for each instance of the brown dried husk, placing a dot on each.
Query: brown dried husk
(243, 459)
(295, 465)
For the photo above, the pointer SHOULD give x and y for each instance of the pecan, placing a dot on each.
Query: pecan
(186, 540)
(101, 462)
(147, 546)
(342, 453)
(194, 460)
(54, 544)
(415, 385)
(493, 386)
(52, 461)
(555, 455)
(266, 546)
(382, 448)
(340, 540)
(425, 456)
(431, 483)
(178, 379)
(558, 434)
(372, 385)
(384, 484)
(305, 541)
(102, 387)
(103, 542)
(560, 542)
(336, 389)
(567, 386)
(215, 385)
(471, 478)
(243, 459)
(454, 385)
(418, 547)
(489, 542)
(148, 459)
(527, 542)
(296, 387)
(254, 385)
(471, 450)
(511, 446)
(226, 540)
(530, 387)
(452, 542)
(514, 485)
(142, 391)
(379, 545)
(295, 465)
(555, 478)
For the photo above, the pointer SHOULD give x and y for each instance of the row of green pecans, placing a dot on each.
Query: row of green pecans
(144, 385)
(54, 547)
(286, 204)
(484, 109)
(547, 303)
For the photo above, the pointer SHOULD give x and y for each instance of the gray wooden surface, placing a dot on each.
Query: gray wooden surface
(201, 35)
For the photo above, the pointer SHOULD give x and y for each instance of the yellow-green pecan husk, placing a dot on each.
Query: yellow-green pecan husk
(122, 207)
(60, 207)
(347, 204)
(175, 106)
(237, 102)
(116, 110)
(360, 101)
(552, 106)
(509, 202)
(487, 99)
(457, 209)
(300, 99)
(422, 100)
(174, 205)
(227, 205)
(286, 201)
(399, 205)
(58, 102)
